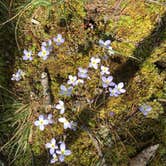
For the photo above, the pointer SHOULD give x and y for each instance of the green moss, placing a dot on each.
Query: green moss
(135, 23)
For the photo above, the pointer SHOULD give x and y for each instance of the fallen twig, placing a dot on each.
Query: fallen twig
(156, 2)
(143, 157)
(95, 143)
(46, 89)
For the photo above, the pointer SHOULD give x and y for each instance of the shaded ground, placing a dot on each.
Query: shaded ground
(137, 29)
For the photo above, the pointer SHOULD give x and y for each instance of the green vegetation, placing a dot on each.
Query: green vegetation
(137, 30)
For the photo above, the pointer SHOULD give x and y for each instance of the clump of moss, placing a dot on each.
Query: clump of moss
(135, 22)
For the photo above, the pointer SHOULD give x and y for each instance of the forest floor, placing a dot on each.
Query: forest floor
(110, 130)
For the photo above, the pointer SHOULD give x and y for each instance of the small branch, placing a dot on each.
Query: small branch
(46, 89)
(95, 143)
(32, 155)
(143, 157)
(156, 2)
(162, 100)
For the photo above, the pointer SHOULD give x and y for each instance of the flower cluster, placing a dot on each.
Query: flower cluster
(43, 121)
(94, 62)
(46, 48)
(66, 91)
(59, 40)
(60, 107)
(114, 89)
(58, 152)
(74, 81)
(18, 75)
(107, 80)
(145, 109)
(117, 90)
(27, 55)
(106, 45)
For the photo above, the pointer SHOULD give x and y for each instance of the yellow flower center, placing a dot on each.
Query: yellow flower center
(41, 122)
(94, 63)
(55, 157)
(63, 151)
(107, 81)
(59, 40)
(44, 53)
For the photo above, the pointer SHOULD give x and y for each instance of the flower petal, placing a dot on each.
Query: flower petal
(45, 122)
(53, 141)
(62, 111)
(61, 158)
(122, 90)
(52, 150)
(41, 117)
(48, 145)
(62, 120)
(59, 36)
(49, 116)
(121, 85)
(36, 123)
(62, 146)
(101, 42)
(103, 79)
(107, 42)
(62, 87)
(41, 127)
(110, 78)
(58, 151)
(67, 152)
(25, 52)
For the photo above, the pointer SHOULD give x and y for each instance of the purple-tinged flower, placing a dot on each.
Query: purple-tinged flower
(90, 101)
(65, 122)
(18, 75)
(94, 62)
(59, 40)
(119, 87)
(110, 51)
(42, 122)
(50, 120)
(27, 55)
(107, 81)
(60, 107)
(54, 158)
(112, 113)
(72, 80)
(63, 152)
(113, 92)
(105, 57)
(82, 73)
(66, 91)
(73, 125)
(47, 45)
(52, 146)
(43, 53)
(104, 44)
(145, 109)
(79, 81)
(104, 70)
